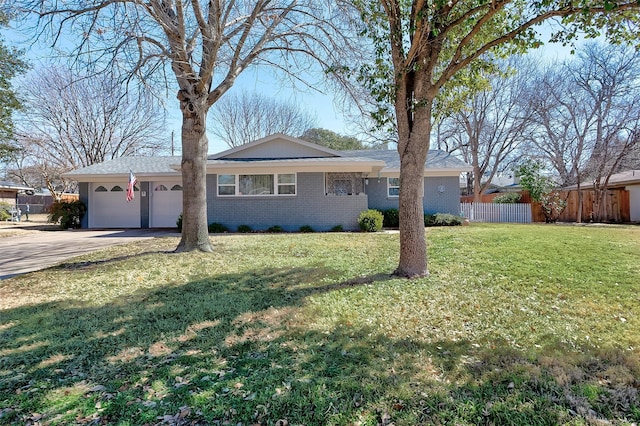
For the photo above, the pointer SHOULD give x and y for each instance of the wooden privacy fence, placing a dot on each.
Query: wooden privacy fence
(616, 206)
(492, 212)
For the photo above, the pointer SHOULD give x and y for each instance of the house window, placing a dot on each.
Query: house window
(117, 189)
(344, 183)
(393, 187)
(226, 184)
(287, 184)
(257, 185)
(101, 189)
(176, 188)
(161, 188)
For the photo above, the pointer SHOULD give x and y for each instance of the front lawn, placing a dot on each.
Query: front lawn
(517, 324)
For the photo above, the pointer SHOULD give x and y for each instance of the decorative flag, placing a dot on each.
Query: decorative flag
(132, 182)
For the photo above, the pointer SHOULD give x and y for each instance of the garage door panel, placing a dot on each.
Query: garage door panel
(108, 207)
(165, 204)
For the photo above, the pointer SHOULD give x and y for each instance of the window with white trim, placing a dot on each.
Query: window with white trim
(393, 187)
(287, 184)
(257, 185)
(226, 185)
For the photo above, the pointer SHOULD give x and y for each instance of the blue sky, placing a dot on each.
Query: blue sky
(318, 104)
(322, 105)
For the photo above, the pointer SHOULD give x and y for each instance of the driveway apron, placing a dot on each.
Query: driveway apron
(39, 250)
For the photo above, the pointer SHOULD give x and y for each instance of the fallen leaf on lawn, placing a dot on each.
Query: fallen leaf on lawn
(184, 412)
(97, 388)
(398, 406)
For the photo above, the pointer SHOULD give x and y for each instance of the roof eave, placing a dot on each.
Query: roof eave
(111, 176)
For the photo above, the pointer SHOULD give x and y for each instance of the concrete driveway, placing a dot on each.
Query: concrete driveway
(36, 250)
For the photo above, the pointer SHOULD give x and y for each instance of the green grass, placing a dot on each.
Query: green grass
(520, 325)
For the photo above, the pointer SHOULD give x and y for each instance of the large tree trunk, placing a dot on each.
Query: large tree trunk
(413, 147)
(413, 247)
(195, 146)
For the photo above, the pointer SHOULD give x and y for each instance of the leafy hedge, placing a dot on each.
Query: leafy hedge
(67, 214)
(212, 228)
(391, 218)
(217, 228)
(370, 220)
(442, 219)
(4, 211)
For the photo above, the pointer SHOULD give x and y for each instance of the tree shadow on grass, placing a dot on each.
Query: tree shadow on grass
(229, 349)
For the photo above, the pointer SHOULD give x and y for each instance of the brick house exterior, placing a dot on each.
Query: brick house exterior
(277, 180)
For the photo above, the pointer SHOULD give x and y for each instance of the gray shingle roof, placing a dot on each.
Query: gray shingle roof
(628, 177)
(4, 184)
(139, 166)
(436, 159)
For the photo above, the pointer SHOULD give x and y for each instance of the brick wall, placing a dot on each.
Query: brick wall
(309, 207)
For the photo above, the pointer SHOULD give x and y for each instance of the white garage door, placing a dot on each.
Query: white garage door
(108, 207)
(165, 204)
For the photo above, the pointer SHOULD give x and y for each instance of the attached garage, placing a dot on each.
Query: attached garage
(157, 200)
(165, 203)
(108, 207)
(277, 180)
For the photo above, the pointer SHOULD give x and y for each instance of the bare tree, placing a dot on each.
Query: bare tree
(587, 113)
(563, 119)
(205, 45)
(491, 125)
(238, 120)
(74, 121)
(608, 75)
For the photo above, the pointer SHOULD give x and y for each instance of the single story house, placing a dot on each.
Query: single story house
(277, 180)
(628, 180)
(9, 192)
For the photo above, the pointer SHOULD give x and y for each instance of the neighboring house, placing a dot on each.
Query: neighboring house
(9, 192)
(277, 180)
(629, 181)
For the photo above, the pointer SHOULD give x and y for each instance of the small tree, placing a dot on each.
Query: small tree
(541, 189)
